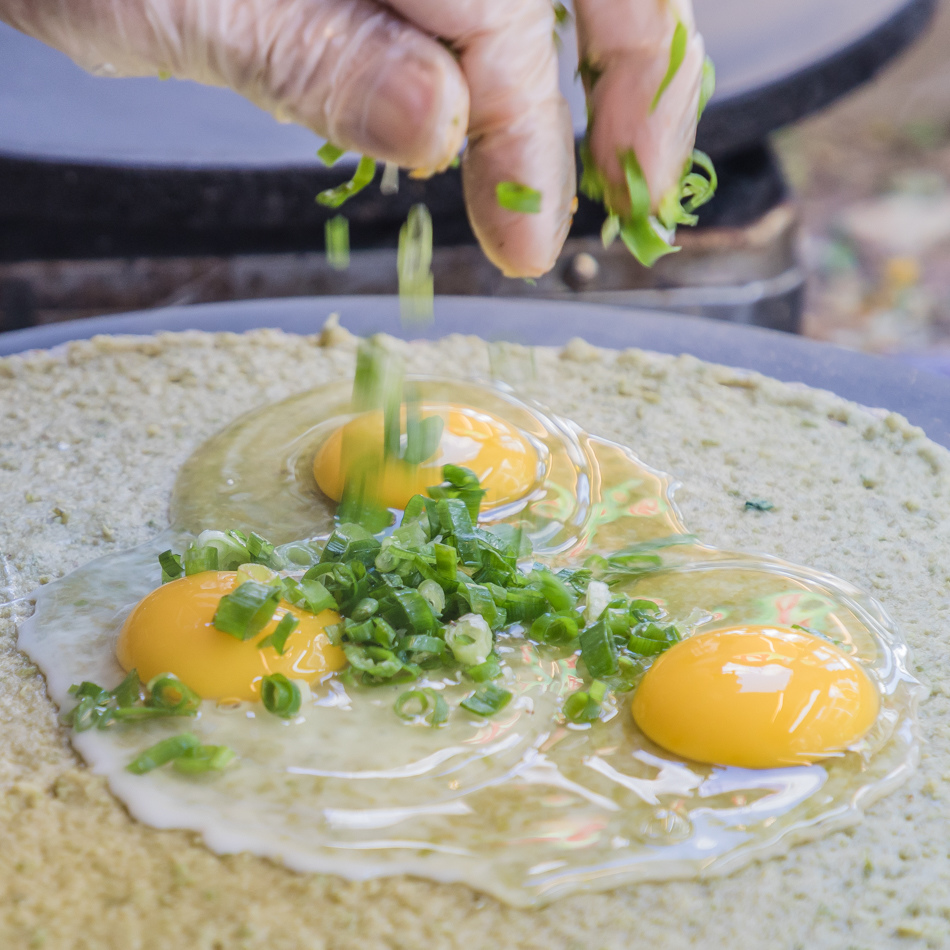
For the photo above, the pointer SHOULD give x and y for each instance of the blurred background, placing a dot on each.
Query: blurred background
(872, 176)
(830, 129)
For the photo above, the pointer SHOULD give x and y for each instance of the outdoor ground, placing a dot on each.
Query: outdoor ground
(873, 176)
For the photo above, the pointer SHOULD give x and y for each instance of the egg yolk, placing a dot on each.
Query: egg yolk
(755, 697)
(505, 462)
(171, 631)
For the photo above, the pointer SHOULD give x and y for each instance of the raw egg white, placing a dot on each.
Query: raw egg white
(755, 697)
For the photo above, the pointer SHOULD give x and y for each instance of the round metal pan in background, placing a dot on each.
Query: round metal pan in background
(922, 397)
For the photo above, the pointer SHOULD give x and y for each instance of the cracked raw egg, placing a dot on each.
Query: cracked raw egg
(506, 463)
(172, 631)
(755, 697)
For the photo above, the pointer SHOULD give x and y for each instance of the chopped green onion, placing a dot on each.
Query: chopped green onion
(350, 542)
(329, 154)
(197, 560)
(525, 604)
(554, 589)
(205, 758)
(561, 14)
(414, 266)
(677, 55)
(230, 545)
(708, 85)
(462, 483)
(337, 238)
(758, 504)
(609, 230)
(470, 639)
(171, 566)
(389, 184)
(378, 662)
(262, 551)
(554, 628)
(487, 700)
(416, 702)
(645, 646)
(519, 198)
(598, 650)
(420, 643)
(411, 611)
(247, 610)
(280, 696)
(434, 596)
(598, 597)
(482, 672)
(334, 197)
(169, 693)
(129, 691)
(163, 752)
(365, 609)
(278, 639)
(422, 435)
(584, 706)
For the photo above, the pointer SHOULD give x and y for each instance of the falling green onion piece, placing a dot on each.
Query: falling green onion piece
(487, 700)
(677, 55)
(280, 696)
(637, 187)
(708, 85)
(247, 610)
(389, 184)
(334, 197)
(337, 236)
(329, 154)
(414, 266)
(278, 639)
(519, 198)
(163, 752)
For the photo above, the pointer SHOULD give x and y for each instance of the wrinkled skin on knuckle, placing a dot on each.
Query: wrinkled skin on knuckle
(348, 69)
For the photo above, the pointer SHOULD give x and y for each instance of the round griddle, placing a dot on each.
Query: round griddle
(922, 397)
(776, 61)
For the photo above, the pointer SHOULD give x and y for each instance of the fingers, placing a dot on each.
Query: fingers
(624, 46)
(519, 126)
(350, 70)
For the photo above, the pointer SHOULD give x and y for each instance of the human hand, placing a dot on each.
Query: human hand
(379, 79)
